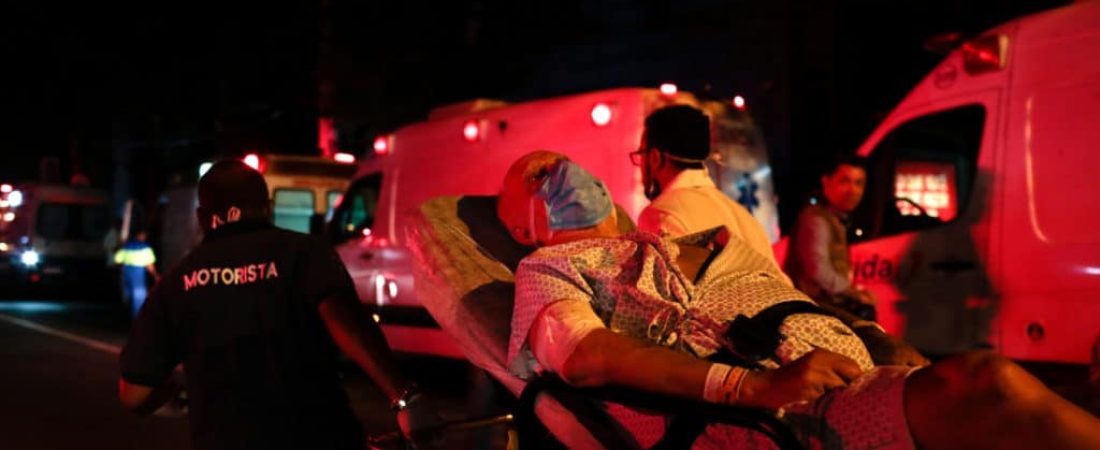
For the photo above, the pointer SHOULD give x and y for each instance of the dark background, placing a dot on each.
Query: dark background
(134, 95)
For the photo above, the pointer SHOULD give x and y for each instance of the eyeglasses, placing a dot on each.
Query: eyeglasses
(637, 157)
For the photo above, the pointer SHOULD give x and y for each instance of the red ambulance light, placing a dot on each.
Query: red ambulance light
(601, 114)
(984, 54)
(252, 160)
(346, 158)
(381, 145)
(5, 188)
(471, 131)
(739, 102)
(669, 89)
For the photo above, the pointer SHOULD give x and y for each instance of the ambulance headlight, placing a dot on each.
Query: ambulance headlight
(29, 258)
(15, 198)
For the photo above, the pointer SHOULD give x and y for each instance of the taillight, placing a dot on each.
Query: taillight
(346, 158)
(985, 54)
(601, 114)
(5, 188)
(669, 89)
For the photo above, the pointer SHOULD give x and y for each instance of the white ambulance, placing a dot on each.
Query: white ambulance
(979, 223)
(466, 148)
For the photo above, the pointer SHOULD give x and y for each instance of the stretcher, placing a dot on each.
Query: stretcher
(464, 265)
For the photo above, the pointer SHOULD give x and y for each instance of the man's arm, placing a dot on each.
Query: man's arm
(362, 340)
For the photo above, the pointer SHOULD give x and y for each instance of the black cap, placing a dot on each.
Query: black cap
(681, 131)
(231, 183)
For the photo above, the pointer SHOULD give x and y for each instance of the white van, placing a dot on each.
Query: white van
(54, 234)
(978, 227)
(466, 148)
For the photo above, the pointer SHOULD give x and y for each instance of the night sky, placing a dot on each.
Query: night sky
(152, 88)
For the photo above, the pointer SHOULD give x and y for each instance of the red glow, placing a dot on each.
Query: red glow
(669, 89)
(471, 131)
(35, 278)
(601, 114)
(252, 160)
(326, 135)
(739, 102)
(5, 188)
(381, 145)
(346, 158)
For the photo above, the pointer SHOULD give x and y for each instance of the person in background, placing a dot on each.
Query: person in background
(256, 314)
(137, 259)
(685, 200)
(818, 260)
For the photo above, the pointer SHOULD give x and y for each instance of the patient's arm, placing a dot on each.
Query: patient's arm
(886, 350)
(601, 357)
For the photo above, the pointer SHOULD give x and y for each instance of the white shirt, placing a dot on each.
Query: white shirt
(692, 203)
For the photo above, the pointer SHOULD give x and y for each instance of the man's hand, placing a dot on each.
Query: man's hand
(807, 378)
(887, 350)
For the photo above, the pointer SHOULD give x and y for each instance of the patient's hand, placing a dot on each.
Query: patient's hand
(806, 378)
(887, 350)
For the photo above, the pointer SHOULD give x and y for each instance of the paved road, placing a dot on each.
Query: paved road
(58, 375)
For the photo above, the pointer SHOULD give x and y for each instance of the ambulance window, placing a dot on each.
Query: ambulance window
(71, 221)
(921, 174)
(293, 209)
(357, 209)
(331, 201)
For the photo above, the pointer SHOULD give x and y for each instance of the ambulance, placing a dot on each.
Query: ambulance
(465, 149)
(304, 192)
(53, 234)
(979, 223)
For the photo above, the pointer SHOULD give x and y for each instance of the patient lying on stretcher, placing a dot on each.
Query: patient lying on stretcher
(603, 309)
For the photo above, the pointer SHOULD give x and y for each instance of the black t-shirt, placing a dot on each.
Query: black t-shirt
(241, 313)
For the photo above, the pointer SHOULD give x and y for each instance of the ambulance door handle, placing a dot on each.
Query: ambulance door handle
(953, 266)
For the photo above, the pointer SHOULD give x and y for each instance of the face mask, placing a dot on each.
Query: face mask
(573, 199)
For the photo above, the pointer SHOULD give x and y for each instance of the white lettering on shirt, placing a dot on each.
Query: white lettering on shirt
(230, 276)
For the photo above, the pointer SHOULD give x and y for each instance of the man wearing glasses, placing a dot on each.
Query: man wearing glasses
(684, 199)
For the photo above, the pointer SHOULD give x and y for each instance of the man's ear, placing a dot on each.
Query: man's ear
(656, 157)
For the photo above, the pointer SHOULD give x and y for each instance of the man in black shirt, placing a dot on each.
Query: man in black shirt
(253, 313)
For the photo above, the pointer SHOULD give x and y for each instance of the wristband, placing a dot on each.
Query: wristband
(716, 377)
(723, 385)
